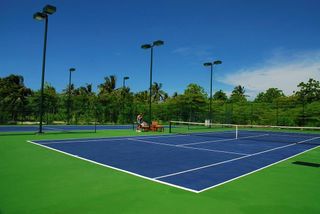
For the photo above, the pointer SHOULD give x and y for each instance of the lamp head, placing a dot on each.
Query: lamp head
(207, 64)
(146, 46)
(217, 62)
(72, 69)
(125, 78)
(39, 16)
(158, 43)
(49, 9)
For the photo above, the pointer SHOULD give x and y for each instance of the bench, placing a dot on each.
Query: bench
(156, 127)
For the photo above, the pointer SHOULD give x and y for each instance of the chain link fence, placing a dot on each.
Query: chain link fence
(278, 113)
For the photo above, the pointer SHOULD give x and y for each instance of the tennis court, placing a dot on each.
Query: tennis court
(194, 161)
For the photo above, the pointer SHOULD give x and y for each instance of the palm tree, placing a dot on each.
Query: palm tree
(84, 90)
(142, 96)
(13, 94)
(109, 84)
(220, 95)
(157, 93)
(238, 94)
(175, 94)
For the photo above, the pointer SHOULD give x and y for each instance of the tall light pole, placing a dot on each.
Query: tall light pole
(69, 94)
(44, 15)
(150, 46)
(124, 82)
(211, 64)
(124, 95)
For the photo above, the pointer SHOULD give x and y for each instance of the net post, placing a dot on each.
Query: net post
(95, 124)
(236, 131)
(95, 119)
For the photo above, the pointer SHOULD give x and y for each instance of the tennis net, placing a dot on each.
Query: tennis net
(284, 134)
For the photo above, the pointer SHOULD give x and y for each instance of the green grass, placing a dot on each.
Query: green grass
(37, 180)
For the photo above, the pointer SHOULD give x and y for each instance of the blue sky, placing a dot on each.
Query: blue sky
(262, 43)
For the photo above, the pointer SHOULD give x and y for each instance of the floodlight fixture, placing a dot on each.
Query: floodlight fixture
(146, 46)
(49, 9)
(39, 16)
(217, 62)
(158, 43)
(72, 69)
(207, 64)
(126, 78)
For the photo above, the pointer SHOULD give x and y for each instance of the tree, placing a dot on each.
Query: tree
(157, 93)
(269, 96)
(142, 96)
(238, 94)
(50, 102)
(175, 94)
(309, 91)
(194, 102)
(195, 89)
(13, 95)
(220, 95)
(109, 84)
(127, 110)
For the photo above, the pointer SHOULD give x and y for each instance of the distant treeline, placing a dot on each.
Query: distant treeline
(110, 104)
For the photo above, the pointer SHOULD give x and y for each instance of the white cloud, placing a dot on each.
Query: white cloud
(282, 72)
(196, 51)
(184, 51)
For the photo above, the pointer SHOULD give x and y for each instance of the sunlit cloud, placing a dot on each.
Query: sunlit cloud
(183, 51)
(281, 71)
(198, 51)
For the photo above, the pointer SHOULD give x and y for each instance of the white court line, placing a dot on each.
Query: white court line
(112, 138)
(212, 150)
(150, 142)
(222, 140)
(208, 141)
(54, 129)
(115, 168)
(187, 147)
(161, 136)
(81, 141)
(291, 135)
(231, 160)
(109, 138)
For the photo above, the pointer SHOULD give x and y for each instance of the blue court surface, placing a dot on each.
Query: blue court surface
(55, 128)
(193, 163)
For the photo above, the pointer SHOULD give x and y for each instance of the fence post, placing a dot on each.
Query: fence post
(277, 106)
(303, 113)
(251, 116)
